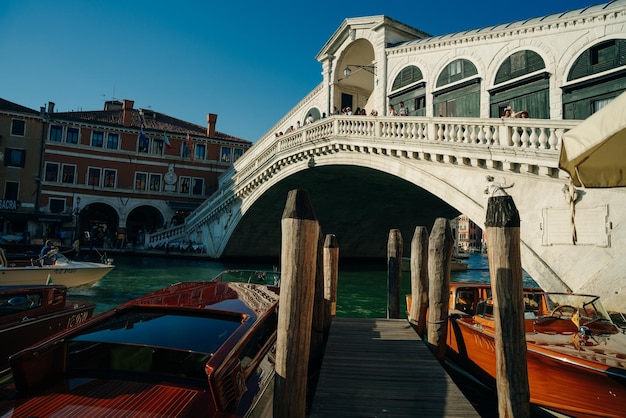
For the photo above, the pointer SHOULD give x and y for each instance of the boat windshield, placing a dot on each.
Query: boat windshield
(587, 307)
(165, 329)
(150, 342)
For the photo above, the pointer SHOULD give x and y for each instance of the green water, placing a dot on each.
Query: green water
(361, 292)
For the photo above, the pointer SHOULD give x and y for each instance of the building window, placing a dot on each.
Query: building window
(72, 136)
(56, 133)
(69, 174)
(93, 176)
(97, 139)
(237, 153)
(200, 152)
(456, 67)
(198, 186)
(156, 147)
(51, 173)
(11, 190)
(113, 141)
(18, 127)
(57, 205)
(14, 157)
(141, 181)
(225, 154)
(155, 182)
(184, 185)
(603, 53)
(599, 104)
(110, 177)
(186, 151)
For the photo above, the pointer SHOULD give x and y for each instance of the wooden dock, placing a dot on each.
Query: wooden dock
(376, 367)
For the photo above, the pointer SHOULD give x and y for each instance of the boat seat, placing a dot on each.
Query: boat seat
(554, 324)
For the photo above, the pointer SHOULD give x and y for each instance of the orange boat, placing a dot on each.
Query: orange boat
(576, 355)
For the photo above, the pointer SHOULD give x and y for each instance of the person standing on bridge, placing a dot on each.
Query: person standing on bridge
(391, 111)
(403, 111)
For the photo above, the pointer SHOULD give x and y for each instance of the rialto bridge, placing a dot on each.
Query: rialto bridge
(368, 174)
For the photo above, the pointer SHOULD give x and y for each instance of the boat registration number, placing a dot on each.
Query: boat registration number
(77, 318)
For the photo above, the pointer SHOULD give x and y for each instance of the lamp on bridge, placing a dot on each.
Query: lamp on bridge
(348, 72)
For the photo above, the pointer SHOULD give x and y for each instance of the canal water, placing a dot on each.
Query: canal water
(361, 292)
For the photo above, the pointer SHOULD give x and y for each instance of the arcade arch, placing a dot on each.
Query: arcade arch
(354, 90)
(142, 219)
(97, 224)
(458, 93)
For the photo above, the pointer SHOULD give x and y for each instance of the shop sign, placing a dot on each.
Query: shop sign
(7, 204)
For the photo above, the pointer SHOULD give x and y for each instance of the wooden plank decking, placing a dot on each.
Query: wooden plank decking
(381, 368)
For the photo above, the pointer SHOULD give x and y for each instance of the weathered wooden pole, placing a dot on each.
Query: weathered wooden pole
(317, 324)
(505, 269)
(419, 279)
(394, 273)
(440, 247)
(300, 235)
(331, 278)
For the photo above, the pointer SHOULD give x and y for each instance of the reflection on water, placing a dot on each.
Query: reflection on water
(361, 293)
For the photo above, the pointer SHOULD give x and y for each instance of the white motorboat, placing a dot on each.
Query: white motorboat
(66, 272)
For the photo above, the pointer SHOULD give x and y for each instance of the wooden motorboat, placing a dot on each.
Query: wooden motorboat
(576, 355)
(24, 270)
(29, 314)
(193, 349)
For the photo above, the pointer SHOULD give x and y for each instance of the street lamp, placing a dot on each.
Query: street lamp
(76, 215)
(347, 72)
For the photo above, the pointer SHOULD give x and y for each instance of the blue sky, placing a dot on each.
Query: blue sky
(249, 62)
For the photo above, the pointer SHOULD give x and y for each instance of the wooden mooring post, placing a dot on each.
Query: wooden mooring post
(505, 269)
(394, 273)
(300, 236)
(317, 324)
(419, 279)
(440, 247)
(331, 278)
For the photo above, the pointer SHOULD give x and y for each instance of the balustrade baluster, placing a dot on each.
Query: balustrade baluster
(553, 140)
(488, 135)
(440, 131)
(449, 133)
(515, 138)
(525, 139)
(534, 138)
(420, 131)
(473, 135)
(481, 134)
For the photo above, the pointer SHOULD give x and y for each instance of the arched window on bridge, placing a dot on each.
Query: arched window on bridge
(409, 87)
(602, 69)
(522, 83)
(458, 90)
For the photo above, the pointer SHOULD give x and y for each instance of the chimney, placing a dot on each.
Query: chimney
(127, 112)
(211, 120)
(50, 107)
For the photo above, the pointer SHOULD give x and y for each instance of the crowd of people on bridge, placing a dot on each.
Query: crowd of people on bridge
(391, 111)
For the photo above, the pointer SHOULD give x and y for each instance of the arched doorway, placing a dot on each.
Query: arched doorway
(355, 76)
(97, 223)
(140, 220)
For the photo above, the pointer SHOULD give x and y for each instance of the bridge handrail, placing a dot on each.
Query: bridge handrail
(534, 134)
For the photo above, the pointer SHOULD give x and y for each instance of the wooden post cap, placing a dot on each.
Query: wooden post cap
(331, 241)
(298, 206)
(501, 212)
